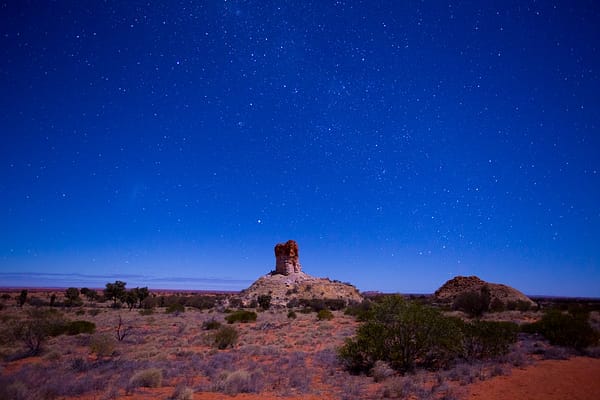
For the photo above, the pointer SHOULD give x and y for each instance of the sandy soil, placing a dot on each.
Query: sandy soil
(574, 379)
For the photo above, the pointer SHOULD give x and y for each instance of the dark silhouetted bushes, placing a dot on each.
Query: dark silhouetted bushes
(473, 303)
(565, 329)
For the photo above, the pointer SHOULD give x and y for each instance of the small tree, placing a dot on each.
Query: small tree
(115, 292)
(474, 303)
(90, 294)
(131, 298)
(72, 296)
(142, 294)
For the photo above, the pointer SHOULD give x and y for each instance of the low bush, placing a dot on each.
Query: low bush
(151, 378)
(242, 316)
(324, 315)
(225, 337)
(175, 308)
(80, 326)
(487, 339)
(292, 314)
(564, 329)
(404, 334)
(103, 345)
(473, 303)
(241, 381)
(182, 392)
(211, 324)
(264, 301)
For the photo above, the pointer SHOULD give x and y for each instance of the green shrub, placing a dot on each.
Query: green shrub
(359, 310)
(37, 327)
(292, 314)
(264, 301)
(175, 308)
(487, 339)
(473, 303)
(564, 329)
(404, 334)
(80, 326)
(225, 337)
(151, 378)
(324, 315)
(242, 316)
(211, 324)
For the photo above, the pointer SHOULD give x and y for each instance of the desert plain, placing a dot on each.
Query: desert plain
(169, 348)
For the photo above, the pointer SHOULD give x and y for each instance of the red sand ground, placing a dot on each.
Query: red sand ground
(574, 379)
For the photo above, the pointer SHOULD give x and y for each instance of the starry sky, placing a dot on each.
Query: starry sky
(400, 143)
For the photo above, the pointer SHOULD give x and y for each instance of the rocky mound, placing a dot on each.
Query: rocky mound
(450, 290)
(299, 285)
(288, 282)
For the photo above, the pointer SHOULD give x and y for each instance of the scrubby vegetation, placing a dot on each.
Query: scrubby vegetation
(569, 329)
(389, 346)
(242, 316)
(408, 335)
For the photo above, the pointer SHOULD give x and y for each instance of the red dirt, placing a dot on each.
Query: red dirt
(574, 379)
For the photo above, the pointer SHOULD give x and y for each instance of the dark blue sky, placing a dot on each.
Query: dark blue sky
(400, 143)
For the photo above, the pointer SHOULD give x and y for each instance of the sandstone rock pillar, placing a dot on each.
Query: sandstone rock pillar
(286, 258)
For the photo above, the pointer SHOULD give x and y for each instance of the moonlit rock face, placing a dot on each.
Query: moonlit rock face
(286, 258)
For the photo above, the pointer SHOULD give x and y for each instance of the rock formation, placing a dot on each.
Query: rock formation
(286, 258)
(288, 282)
(456, 286)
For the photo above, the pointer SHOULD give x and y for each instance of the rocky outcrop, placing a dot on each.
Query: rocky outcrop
(286, 258)
(288, 282)
(453, 288)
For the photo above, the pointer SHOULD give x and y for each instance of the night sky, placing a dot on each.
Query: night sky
(400, 143)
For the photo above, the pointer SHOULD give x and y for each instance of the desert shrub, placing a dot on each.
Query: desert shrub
(381, 370)
(103, 345)
(225, 337)
(201, 302)
(182, 392)
(146, 311)
(175, 308)
(211, 324)
(242, 316)
(473, 303)
(315, 304)
(404, 334)
(240, 381)
(151, 378)
(293, 303)
(305, 310)
(37, 327)
(235, 302)
(564, 329)
(264, 301)
(80, 326)
(292, 314)
(486, 339)
(324, 315)
(359, 310)
(335, 304)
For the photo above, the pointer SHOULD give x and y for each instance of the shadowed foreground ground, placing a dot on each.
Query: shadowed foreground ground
(574, 379)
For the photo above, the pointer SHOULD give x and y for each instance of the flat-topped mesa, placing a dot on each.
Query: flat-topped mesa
(286, 258)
